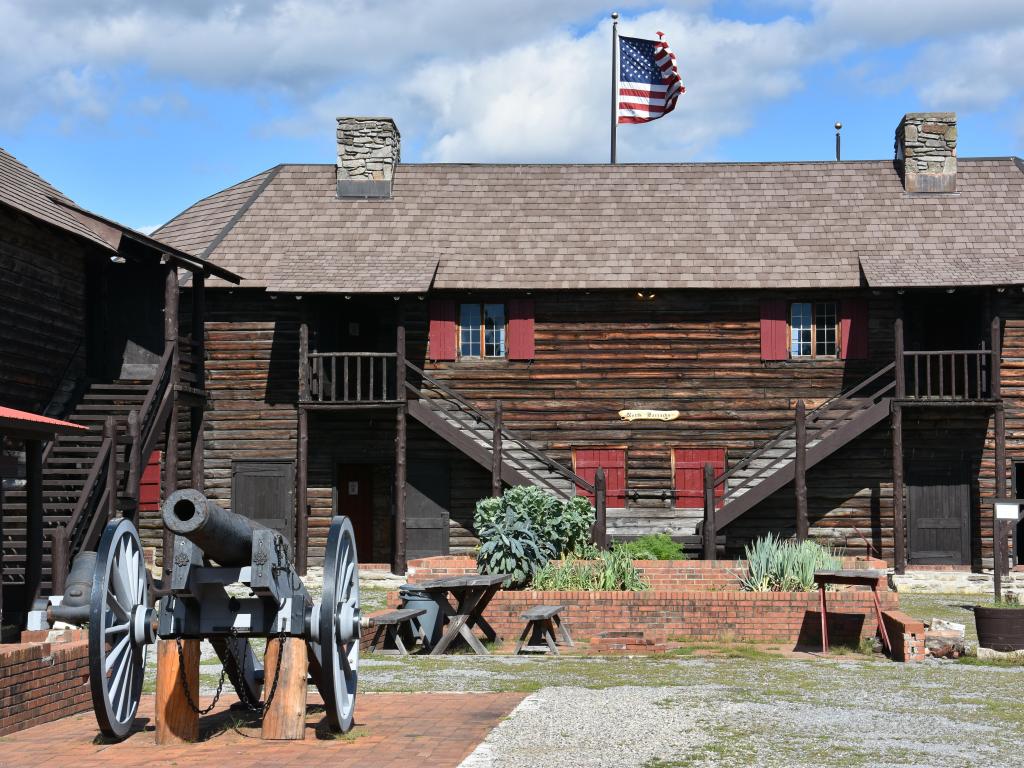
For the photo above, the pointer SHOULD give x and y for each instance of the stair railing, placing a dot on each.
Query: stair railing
(481, 427)
(818, 425)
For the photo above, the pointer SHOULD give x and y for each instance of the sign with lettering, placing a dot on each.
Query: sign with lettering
(1007, 510)
(647, 414)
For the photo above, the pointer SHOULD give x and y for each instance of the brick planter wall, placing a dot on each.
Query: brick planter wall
(42, 681)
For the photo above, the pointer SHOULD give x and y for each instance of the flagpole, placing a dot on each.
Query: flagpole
(615, 78)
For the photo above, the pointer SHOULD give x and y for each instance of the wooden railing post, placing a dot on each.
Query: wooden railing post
(800, 471)
(302, 457)
(399, 564)
(110, 433)
(33, 520)
(995, 376)
(901, 371)
(303, 361)
(899, 530)
(134, 463)
(496, 452)
(601, 510)
(708, 531)
(58, 559)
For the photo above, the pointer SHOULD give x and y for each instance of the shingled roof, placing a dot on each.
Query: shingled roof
(699, 225)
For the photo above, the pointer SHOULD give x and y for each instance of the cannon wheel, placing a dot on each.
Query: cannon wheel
(118, 628)
(339, 626)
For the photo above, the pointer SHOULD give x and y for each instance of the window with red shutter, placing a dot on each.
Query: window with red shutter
(585, 463)
(520, 329)
(854, 329)
(774, 344)
(688, 475)
(441, 338)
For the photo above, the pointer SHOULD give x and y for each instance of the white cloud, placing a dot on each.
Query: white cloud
(980, 72)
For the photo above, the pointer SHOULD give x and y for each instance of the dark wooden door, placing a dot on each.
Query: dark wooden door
(264, 491)
(427, 501)
(939, 514)
(355, 501)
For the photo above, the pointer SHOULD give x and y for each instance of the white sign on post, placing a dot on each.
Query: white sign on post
(1006, 510)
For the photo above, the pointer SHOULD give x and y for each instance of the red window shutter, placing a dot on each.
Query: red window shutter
(520, 329)
(853, 343)
(774, 344)
(613, 462)
(149, 484)
(441, 341)
(689, 475)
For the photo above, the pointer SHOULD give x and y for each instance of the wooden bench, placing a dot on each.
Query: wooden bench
(387, 640)
(541, 624)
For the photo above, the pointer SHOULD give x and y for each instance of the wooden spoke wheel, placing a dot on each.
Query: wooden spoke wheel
(338, 629)
(120, 627)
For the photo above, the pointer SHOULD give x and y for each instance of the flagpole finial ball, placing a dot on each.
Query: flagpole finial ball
(839, 125)
(615, 15)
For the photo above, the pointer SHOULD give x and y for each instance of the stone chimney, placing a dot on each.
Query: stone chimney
(368, 150)
(926, 151)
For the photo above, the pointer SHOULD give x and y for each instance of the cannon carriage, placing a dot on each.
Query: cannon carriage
(231, 580)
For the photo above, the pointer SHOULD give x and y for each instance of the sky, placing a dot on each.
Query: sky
(136, 109)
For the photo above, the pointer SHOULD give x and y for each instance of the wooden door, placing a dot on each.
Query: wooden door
(264, 491)
(939, 514)
(355, 501)
(585, 463)
(427, 501)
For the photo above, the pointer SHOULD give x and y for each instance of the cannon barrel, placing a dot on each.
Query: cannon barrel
(225, 537)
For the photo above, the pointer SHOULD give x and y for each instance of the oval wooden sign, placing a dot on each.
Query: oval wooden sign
(647, 414)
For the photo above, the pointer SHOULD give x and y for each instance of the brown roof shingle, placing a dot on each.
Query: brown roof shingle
(700, 225)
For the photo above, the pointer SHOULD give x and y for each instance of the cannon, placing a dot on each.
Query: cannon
(231, 580)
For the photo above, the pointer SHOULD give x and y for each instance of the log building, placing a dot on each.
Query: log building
(823, 349)
(89, 331)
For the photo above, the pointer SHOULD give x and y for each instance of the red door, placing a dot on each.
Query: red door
(355, 501)
(613, 462)
(688, 470)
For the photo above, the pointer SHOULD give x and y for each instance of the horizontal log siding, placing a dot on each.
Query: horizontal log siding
(696, 352)
(1011, 310)
(42, 309)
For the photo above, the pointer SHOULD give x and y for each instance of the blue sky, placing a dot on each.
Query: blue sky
(136, 109)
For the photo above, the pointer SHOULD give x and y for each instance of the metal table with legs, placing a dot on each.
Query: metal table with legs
(863, 578)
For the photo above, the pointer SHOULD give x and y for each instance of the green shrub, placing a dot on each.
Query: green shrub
(510, 545)
(563, 527)
(654, 546)
(777, 565)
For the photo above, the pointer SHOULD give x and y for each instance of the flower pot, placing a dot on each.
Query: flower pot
(1001, 629)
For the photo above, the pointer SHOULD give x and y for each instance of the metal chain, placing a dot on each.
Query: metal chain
(243, 693)
(184, 683)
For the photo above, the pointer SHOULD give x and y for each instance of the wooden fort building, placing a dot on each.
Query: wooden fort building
(842, 342)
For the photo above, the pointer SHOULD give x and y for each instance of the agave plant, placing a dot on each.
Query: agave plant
(777, 565)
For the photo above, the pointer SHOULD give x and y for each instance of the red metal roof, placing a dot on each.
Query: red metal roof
(13, 420)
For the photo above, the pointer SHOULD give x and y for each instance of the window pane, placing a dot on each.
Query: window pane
(825, 329)
(800, 329)
(494, 330)
(469, 330)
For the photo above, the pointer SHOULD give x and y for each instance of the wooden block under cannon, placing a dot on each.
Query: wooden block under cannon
(285, 718)
(176, 720)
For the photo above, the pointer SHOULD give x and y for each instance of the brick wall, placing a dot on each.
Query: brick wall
(42, 681)
(907, 636)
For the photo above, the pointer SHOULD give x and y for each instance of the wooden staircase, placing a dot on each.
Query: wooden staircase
(66, 468)
(454, 419)
(829, 427)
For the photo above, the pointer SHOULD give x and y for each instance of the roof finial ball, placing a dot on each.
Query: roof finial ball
(839, 127)
(615, 15)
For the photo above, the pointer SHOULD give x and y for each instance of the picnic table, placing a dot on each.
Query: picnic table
(471, 595)
(863, 578)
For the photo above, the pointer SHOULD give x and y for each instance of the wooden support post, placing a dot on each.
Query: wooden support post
(901, 369)
(995, 376)
(301, 491)
(33, 520)
(898, 528)
(285, 718)
(496, 452)
(1, 551)
(197, 414)
(59, 559)
(113, 468)
(176, 720)
(601, 510)
(171, 430)
(399, 564)
(708, 531)
(998, 529)
(800, 472)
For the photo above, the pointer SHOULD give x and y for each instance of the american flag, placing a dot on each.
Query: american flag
(649, 81)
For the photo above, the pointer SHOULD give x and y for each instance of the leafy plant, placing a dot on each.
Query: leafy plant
(510, 545)
(618, 572)
(569, 528)
(611, 571)
(777, 565)
(654, 546)
(565, 526)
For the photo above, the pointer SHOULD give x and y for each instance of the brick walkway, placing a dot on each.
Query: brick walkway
(393, 730)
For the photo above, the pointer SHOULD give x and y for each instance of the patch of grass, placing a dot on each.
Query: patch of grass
(326, 734)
